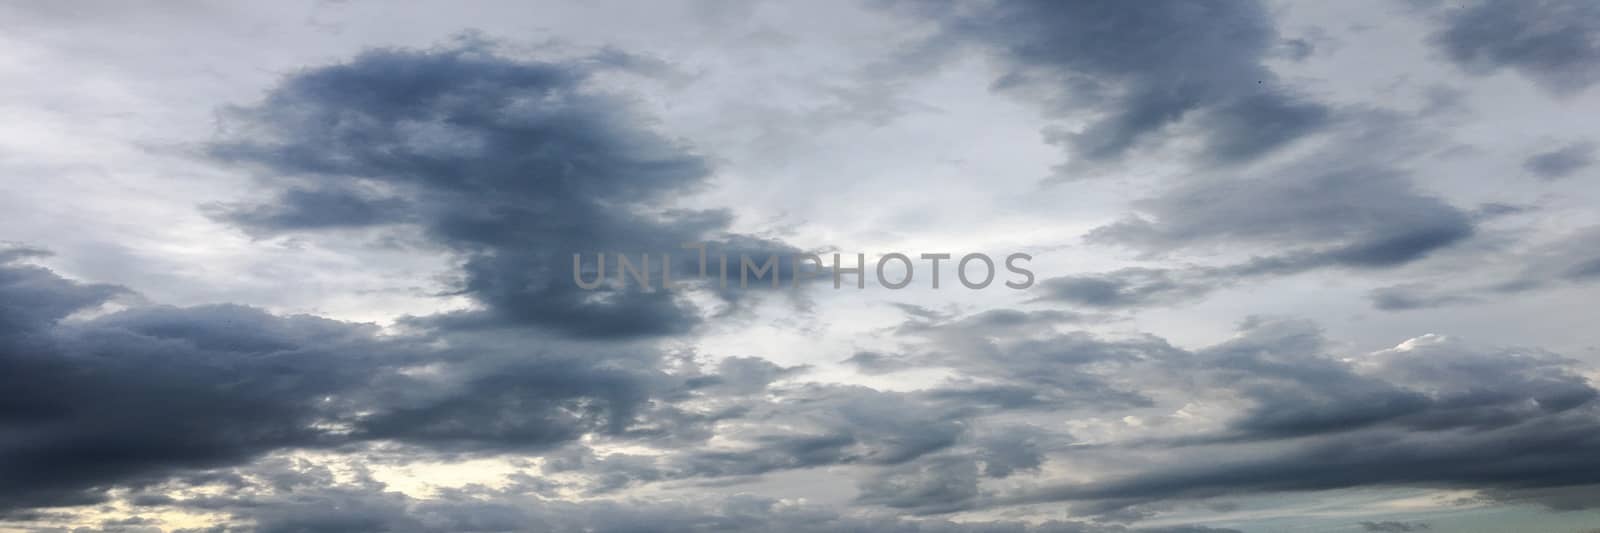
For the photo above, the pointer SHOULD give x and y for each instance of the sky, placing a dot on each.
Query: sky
(1259, 266)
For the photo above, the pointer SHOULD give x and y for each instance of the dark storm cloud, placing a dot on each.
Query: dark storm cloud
(1556, 43)
(134, 397)
(1561, 162)
(35, 297)
(130, 395)
(1146, 71)
(513, 165)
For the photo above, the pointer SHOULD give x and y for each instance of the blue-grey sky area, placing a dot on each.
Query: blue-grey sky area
(307, 266)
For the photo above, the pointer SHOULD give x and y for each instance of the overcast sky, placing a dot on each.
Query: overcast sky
(307, 266)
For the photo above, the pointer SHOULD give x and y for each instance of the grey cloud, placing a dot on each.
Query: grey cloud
(928, 459)
(1415, 296)
(322, 506)
(11, 252)
(1567, 261)
(1331, 423)
(555, 401)
(1391, 526)
(877, 363)
(303, 497)
(197, 389)
(1552, 42)
(1138, 287)
(134, 397)
(1573, 258)
(930, 485)
(748, 375)
(1356, 217)
(36, 297)
(513, 165)
(1128, 287)
(505, 166)
(828, 425)
(1012, 449)
(310, 209)
(1011, 359)
(1432, 413)
(1562, 162)
(1475, 460)
(803, 427)
(1434, 385)
(1296, 388)
(1344, 207)
(1297, 49)
(1147, 70)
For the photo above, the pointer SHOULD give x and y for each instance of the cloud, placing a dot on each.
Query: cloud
(36, 297)
(1128, 287)
(821, 425)
(310, 503)
(1415, 296)
(1429, 413)
(1390, 526)
(1566, 261)
(1562, 162)
(1552, 42)
(133, 397)
(512, 165)
(1346, 206)
(551, 408)
(1141, 73)
(1346, 216)
(877, 363)
(151, 398)
(928, 485)
(1007, 359)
